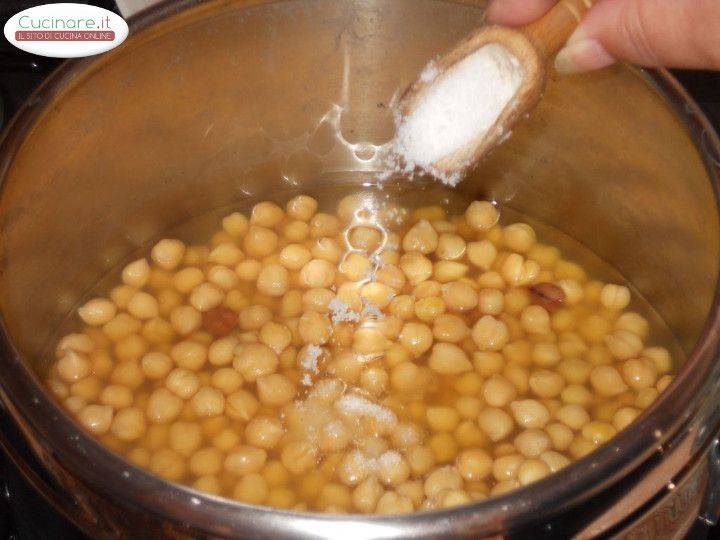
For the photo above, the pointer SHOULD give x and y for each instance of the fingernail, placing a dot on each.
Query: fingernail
(583, 54)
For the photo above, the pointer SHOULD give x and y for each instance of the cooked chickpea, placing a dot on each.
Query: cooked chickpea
(607, 381)
(495, 423)
(136, 274)
(490, 334)
(235, 224)
(532, 470)
(206, 296)
(163, 406)
(624, 345)
(416, 338)
(535, 320)
(129, 424)
(530, 413)
(481, 215)
(416, 266)
(615, 297)
(449, 359)
(167, 253)
(459, 296)
(96, 418)
(275, 389)
(97, 311)
(73, 366)
(254, 360)
(532, 442)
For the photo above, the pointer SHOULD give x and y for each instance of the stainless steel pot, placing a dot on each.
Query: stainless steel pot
(209, 103)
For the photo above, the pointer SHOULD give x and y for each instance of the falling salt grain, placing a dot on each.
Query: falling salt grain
(460, 107)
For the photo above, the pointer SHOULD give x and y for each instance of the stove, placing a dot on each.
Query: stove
(24, 513)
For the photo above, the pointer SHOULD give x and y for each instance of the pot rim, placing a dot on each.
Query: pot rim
(24, 395)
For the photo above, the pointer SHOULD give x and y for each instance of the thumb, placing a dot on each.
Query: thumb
(672, 33)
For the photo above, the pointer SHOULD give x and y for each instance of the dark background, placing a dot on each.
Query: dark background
(23, 514)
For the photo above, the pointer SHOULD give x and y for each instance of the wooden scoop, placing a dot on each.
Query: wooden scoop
(533, 45)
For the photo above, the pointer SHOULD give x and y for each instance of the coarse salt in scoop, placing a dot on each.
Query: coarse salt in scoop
(459, 106)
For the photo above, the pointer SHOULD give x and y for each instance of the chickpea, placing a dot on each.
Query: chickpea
(136, 274)
(459, 296)
(185, 320)
(660, 357)
(498, 391)
(251, 489)
(259, 242)
(421, 237)
(447, 271)
(474, 465)
(416, 266)
(639, 374)
(73, 366)
(450, 328)
(449, 359)
(481, 215)
(615, 297)
(532, 442)
(417, 338)
(189, 354)
(206, 296)
(645, 397)
(301, 207)
(254, 317)
(167, 253)
(450, 247)
(129, 424)
(116, 396)
(366, 495)
(163, 406)
(127, 373)
(573, 416)
(516, 270)
(97, 312)
(275, 389)
(324, 225)
(532, 470)
(96, 418)
(490, 334)
(530, 413)
(535, 320)
(241, 405)
(441, 479)
(546, 384)
(167, 464)
(314, 328)
(495, 423)
(254, 360)
(560, 435)
(299, 456)
(598, 432)
(624, 345)
(235, 224)
(392, 469)
(607, 381)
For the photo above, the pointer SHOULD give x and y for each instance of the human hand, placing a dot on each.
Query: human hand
(671, 33)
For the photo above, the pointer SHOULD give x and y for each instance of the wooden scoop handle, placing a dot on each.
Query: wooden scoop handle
(549, 33)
